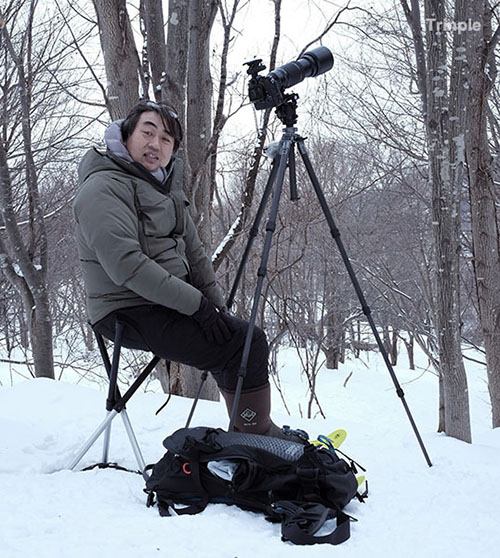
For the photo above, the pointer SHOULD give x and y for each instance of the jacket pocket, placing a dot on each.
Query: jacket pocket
(157, 215)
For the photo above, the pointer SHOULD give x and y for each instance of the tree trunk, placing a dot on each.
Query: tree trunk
(199, 113)
(26, 266)
(333, 345)
(410, 349)
(186, 380)
(390, 341)
(152, 11)
(41, 336)
(482, 191)
(201, 15)
(120, 56)
(444, 122)
(189, 88)
(393, 352)
(386, 338)
(356, 338)
(441, 405)
(173, 91)
(174, 82)
(446, 172)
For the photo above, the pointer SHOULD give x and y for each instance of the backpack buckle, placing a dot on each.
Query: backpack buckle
(295, 432)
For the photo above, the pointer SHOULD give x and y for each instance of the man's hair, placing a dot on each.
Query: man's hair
(167, 113)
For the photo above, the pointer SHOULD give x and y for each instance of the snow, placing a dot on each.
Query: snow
(228, 236)
(448, 510)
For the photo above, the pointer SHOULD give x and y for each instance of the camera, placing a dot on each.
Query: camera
(269, 91)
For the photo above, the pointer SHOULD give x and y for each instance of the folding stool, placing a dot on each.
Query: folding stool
(115, 403)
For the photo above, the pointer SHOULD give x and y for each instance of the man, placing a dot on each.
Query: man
(143, 261)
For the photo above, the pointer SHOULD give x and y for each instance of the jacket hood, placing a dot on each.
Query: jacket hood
(96, 161)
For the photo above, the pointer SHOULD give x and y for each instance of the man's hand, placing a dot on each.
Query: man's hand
(213, 322)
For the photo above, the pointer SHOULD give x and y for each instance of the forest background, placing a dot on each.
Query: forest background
(402, 132)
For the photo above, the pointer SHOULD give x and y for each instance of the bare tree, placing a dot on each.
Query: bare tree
(24, 247)
(443, 101)
(481, 75)
(41, 130)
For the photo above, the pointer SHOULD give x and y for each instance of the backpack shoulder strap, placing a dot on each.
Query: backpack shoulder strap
(301, 521)
(167, 508)
(162, 483)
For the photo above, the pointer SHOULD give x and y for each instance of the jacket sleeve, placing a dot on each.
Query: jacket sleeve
(108, 221)
(202, 271)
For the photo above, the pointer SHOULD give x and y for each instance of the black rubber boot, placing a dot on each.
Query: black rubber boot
(253, 411)
(253, 415)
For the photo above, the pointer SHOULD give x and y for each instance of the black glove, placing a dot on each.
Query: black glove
(213, 322)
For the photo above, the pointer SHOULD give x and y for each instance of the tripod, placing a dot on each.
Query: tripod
(287, 113)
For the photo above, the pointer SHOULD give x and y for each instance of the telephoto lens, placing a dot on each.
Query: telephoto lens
(313, 63)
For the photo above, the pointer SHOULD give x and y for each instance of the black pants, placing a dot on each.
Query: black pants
(176, 337)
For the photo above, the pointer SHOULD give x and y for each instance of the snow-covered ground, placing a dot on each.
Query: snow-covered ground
(46, 510)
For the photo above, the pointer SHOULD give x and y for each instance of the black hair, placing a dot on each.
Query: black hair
(168, 115)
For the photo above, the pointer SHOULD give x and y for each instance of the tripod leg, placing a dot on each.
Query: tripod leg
(294, 196)
(366, 310)
(285, 147)
(254, 230)
(204, 377)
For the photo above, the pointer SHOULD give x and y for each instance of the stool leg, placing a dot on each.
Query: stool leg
(91, 441)
(106, 443)
(133, 442)
(115, 403)
(113, 393)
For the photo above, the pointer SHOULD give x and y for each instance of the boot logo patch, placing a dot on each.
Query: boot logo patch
(248, 415)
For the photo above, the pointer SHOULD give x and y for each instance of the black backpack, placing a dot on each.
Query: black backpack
(300, 485)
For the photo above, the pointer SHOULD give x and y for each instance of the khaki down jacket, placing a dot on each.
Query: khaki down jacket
(137, 241)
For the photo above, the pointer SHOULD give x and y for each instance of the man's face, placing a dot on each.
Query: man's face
(150, 144)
